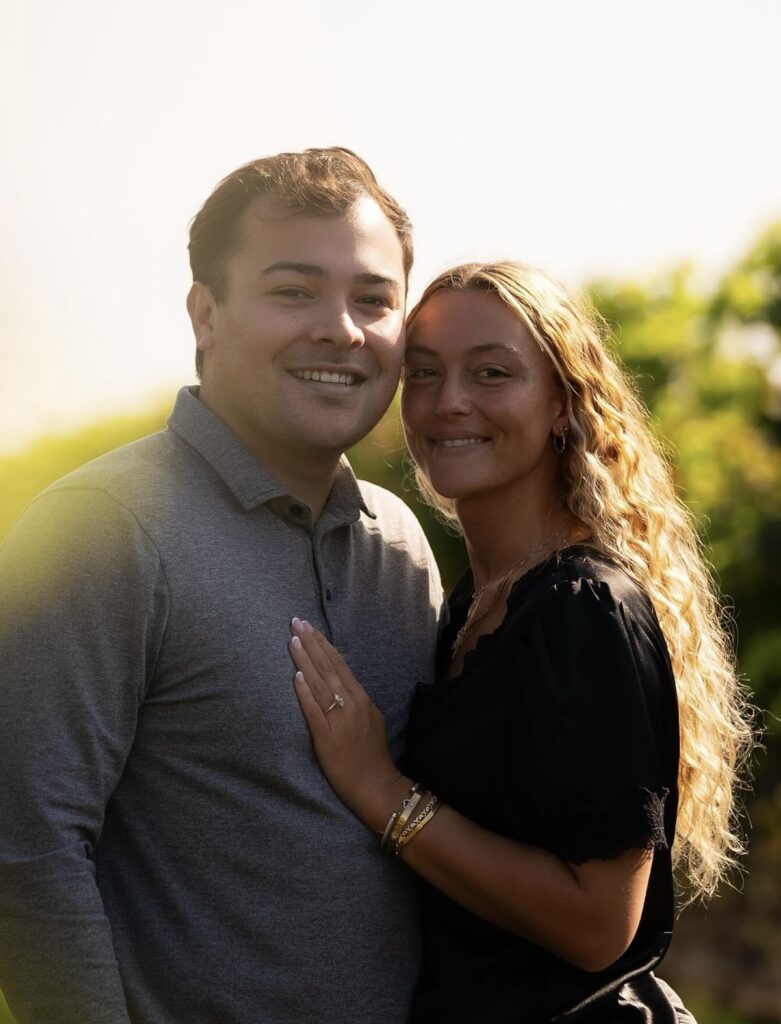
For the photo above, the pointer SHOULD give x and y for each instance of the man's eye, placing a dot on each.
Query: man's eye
(378, 301)
(291, 293)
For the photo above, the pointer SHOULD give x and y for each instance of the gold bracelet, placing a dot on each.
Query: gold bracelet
(399, 818)
(408, 805)
(418, 823)
(388, 828)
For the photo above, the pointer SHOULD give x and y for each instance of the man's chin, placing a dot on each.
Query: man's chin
(340, 433)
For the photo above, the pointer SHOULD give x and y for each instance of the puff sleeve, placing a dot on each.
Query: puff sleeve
(597, 696)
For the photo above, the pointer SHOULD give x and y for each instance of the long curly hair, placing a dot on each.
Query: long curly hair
(618, 482)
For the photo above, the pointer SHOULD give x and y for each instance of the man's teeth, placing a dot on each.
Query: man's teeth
(326, 376)
(458, 442)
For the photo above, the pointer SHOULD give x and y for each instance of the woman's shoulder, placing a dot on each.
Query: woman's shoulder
(584, 590)
(581, 567)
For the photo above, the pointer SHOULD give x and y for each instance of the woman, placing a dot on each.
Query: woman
(553, 775)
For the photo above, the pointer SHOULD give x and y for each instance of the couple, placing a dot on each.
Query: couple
(187, 836)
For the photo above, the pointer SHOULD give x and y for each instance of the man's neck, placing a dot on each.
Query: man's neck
(308, 473)
(310, 484)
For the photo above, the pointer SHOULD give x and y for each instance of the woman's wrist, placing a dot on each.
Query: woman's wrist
(409, 818)
(376, 803)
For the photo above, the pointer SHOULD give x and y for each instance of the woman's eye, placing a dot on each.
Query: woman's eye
(493, 373)
(418, 373)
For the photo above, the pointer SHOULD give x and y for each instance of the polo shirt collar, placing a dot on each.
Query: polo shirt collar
(251, 483)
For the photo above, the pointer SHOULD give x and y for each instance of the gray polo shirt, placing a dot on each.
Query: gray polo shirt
(169, 849)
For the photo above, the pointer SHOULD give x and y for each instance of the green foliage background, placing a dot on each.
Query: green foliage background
(708, 363)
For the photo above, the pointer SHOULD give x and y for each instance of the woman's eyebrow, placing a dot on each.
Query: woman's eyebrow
(490, 346)
(420, 349)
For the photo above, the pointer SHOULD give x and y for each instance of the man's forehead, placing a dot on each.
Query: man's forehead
(286, 235)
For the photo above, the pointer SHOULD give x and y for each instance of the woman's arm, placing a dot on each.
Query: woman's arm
(586, 913)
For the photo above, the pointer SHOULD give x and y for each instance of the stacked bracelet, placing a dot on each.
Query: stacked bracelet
(399, 818)
(418, 822)
(400, 829)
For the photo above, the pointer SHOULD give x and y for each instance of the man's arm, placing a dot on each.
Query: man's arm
(82, 610)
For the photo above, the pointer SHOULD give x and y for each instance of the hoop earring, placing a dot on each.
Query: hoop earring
(560, 441)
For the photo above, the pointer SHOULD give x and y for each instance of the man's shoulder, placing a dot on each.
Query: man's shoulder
(397, 524)
(127, 473)
(133, 483)
(97, 515)
(391, 511)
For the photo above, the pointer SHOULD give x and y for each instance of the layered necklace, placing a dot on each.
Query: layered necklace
(472, 616)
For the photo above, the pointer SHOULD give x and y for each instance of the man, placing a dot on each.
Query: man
(169, 850)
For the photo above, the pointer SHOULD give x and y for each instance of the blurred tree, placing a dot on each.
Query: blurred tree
(751, 292)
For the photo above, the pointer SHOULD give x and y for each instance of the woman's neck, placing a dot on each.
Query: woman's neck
(501, 533)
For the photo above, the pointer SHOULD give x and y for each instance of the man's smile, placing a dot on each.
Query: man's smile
(343, 377)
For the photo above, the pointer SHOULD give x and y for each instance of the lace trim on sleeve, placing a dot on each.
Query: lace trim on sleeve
(636, 823)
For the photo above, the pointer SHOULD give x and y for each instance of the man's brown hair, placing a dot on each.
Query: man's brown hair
(319, 182)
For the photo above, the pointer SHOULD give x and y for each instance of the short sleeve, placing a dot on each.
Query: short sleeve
(598, 697)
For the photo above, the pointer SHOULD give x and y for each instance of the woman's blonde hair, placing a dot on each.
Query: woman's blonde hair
(619, 483)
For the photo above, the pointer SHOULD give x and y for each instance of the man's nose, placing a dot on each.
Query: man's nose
(339, 328)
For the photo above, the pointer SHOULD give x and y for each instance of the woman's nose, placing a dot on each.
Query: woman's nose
(452, 398)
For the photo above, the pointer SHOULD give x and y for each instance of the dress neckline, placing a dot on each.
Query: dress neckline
(466, 583)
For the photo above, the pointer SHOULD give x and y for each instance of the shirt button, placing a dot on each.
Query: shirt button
(327, 594)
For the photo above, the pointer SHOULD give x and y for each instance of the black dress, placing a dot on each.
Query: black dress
(561, 732)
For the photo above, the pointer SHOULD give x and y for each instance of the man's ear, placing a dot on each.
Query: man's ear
(200, 306)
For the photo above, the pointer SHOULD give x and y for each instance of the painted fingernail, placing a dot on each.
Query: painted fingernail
(296, 643)
(298, 679)
(295, 623)
(306, 627)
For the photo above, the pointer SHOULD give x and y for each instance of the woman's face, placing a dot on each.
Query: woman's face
(480, 399)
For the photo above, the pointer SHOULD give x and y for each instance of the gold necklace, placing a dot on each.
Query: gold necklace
(472, 618)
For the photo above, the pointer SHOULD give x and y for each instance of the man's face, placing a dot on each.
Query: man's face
(303, 356)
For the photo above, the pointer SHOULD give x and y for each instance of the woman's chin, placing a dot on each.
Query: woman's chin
(452, 490)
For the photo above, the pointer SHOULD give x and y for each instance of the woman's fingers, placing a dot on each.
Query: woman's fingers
(313, 713)
(326, 659)
(321, 684)
(317, 647)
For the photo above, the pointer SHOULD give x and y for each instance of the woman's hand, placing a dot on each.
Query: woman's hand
(348, 731)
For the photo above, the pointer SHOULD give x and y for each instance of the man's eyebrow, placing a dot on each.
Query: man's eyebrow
(376, 279)
(310, 269)
(313, 270)
(488, 346)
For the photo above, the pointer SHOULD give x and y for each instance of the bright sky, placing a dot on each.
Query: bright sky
(603, 137)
